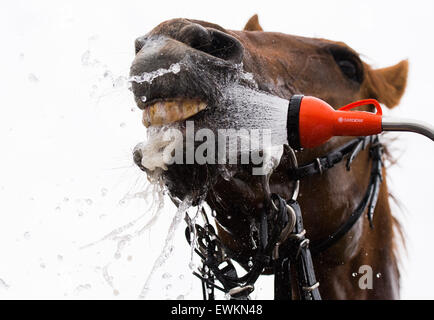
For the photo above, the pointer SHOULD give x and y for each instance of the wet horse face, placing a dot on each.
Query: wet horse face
(282, 65)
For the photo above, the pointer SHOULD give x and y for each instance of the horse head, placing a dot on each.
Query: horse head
(187, 66)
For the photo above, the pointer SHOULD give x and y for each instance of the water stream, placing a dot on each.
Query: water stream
(168, 244)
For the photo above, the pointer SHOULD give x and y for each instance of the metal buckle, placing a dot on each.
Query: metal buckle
(297, 182)
(286, 231)
(298, 236)
(312, 287)
(318, 162)
(239, 290)
(290, 225)
(303, 244)
(276, 251)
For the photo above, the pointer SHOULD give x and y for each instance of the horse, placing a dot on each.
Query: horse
(282, 65)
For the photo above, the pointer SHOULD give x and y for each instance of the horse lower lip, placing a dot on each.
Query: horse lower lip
(164, 112)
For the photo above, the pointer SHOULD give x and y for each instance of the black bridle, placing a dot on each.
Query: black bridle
(281, 237)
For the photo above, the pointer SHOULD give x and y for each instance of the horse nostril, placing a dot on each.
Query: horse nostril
(195, 36)
(212, 42)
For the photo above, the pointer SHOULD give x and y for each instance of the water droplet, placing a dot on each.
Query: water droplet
(176, 68)
(229, 217)
(143, 98)
(354, 274)
(118, 82)
(168, 287)
(250, 264)
(93, 92)
(82, 287)
(226, 173)
(32, 78)
(89, 201)
(93, 38)
(166, 275)
(104, 192)
(3, 284)
(378, 275)
(181, 276)
(85, 58)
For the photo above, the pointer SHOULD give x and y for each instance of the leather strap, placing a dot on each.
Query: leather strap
(295, 251)
(369, 200)
(282, 279)
(307, 283)
(352, 147)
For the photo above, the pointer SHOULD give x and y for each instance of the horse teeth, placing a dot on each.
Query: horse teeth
(164, 112)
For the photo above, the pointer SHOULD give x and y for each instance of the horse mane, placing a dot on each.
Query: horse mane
(399, 245)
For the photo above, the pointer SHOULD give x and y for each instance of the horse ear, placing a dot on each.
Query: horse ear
(387, 85)
(253, 24)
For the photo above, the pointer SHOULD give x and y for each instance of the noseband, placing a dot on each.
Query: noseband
(281, 237)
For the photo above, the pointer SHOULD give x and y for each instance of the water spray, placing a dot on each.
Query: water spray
(303, 121)
(312, 121)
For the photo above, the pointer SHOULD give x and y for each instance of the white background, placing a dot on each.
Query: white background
(68, 125)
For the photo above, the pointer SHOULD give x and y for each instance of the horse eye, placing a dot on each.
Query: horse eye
(348, 62)
(348, 68)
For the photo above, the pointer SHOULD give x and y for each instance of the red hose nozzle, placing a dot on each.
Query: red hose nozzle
(312, 121)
